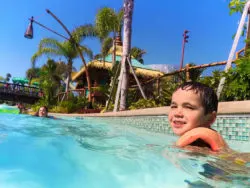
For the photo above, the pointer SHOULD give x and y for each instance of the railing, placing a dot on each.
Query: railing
(64, 95)
(19, 89)
(81, 92)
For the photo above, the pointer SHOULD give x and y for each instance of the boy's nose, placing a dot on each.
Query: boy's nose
(178, 112)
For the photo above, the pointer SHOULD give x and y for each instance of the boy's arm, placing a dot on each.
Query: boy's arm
(211, 137)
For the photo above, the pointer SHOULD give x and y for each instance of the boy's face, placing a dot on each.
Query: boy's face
(186, 112)
(42, 112)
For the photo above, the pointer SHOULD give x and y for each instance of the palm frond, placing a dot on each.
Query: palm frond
(137, 53)
(49, 43)
(86, 51)
(82, 32)
(119, 16)
(44, 51)
(97, 56)
(105, 21)
(106, 45)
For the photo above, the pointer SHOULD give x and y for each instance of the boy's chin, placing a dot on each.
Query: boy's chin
(179, 132)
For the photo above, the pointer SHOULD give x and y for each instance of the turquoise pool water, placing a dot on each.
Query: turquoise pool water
(90, 153)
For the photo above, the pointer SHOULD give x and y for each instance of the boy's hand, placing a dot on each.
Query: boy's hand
(209, 136)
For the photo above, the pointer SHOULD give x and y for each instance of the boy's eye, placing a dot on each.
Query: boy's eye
(190, 107)
(173, 106)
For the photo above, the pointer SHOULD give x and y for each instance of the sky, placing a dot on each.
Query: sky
(157, 28)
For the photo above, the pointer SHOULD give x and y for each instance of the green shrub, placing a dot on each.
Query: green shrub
(143, 103)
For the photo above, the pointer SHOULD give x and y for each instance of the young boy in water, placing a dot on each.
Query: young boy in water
(192, 112)
(43, 112)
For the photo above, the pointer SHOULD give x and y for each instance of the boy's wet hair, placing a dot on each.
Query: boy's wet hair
(208, 97)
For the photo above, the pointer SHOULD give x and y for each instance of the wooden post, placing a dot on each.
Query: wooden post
(158, 86)
(187, 73)
(136, 79)
(248, 35)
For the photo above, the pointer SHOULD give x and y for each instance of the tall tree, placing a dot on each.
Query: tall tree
(107, 43)
(127, 32)
(79, 34)
(31, 73)
(50, 80)
(108, 21)
(66, 49)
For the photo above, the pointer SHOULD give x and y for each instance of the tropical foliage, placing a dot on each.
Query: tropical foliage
(66, 49)
(236, 6)
(32, 73)
(50, 81)
(107, 27)
(71, 105)
(238, 81)
(107, 20)
(137, 53)
(143, 103)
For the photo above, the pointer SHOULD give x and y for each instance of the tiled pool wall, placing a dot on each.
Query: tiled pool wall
(231, 127)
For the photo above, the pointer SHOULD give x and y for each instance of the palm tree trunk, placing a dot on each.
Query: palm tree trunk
(112, 80)
(68, 77)
(78, 49)
(86, 71)
(128, 13)
(114, 51)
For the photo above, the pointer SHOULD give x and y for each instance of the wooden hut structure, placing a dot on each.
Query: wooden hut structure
(100, 73)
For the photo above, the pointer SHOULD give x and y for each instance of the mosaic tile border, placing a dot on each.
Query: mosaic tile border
(231, 127)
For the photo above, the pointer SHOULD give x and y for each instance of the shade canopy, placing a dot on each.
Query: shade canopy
(18, 80)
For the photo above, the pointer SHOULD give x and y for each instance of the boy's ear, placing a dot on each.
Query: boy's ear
(211, 117)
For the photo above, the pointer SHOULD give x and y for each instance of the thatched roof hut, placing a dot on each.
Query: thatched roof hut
(141, 70)
(100, 71)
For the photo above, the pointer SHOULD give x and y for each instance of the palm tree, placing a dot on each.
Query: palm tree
(31, 73)
(108, 21)
(195, 74)
(128, 13)
(78, 35)
(107, 43)
(8, 76)
(66, 49)
(137, 53)
(50, 80)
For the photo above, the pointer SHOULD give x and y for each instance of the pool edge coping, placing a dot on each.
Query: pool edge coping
(224, 108)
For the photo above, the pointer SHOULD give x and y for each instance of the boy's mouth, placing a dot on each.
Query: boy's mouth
(178, 124)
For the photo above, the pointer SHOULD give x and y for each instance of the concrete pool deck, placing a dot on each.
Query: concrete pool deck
(233, 107)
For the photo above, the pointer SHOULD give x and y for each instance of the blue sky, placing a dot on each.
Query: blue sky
(157, 27)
